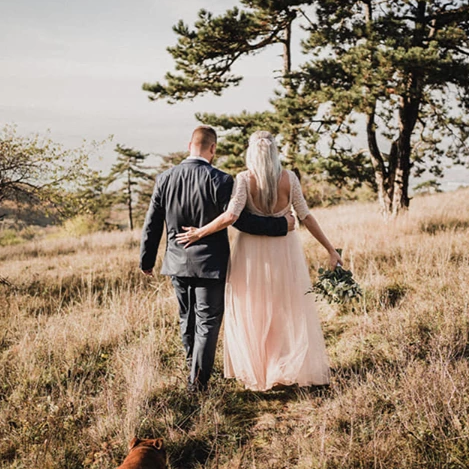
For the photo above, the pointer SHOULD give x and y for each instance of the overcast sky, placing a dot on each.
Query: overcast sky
(77, 67)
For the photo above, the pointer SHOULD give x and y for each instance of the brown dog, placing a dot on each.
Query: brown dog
(145, 454)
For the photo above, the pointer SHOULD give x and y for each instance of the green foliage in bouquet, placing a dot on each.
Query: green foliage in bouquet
(336, 286)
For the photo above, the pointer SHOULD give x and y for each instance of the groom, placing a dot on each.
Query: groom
(194, 193)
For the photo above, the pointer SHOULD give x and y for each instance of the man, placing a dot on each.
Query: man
(193, 194)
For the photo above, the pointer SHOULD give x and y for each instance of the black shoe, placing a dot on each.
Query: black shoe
(196, 387)
(192, 388)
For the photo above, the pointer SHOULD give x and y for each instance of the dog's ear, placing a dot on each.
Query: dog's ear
(134, 442)
(158, 443)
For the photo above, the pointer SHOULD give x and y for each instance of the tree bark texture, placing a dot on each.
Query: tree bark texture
(129, 200)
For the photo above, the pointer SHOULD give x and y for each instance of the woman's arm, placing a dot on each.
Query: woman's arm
(313, 227)
(310, 222)
(192, 234)
(235, 207)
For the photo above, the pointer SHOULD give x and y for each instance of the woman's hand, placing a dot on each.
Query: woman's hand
(335, 259)
(190, 236)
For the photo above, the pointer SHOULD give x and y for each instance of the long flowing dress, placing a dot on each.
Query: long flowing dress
(272, 331)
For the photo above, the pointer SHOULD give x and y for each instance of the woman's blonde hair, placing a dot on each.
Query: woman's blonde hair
(263, 160)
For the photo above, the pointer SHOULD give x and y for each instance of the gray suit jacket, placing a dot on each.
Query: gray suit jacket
(193, 194)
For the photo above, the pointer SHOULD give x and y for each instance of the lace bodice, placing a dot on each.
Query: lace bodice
(242, 197)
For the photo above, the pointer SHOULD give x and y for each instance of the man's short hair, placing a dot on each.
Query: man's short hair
(204, 136)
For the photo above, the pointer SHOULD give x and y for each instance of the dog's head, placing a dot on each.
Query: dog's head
(156, 444)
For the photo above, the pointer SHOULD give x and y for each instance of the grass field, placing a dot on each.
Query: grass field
(91, 356)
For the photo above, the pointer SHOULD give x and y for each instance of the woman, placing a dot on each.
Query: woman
(272, 331)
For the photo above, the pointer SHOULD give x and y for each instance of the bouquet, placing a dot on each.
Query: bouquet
(336, 286)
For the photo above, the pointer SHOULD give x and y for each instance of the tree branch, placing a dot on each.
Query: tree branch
(444, 18)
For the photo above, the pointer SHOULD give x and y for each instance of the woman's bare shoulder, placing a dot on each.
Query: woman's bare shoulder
(284, 180)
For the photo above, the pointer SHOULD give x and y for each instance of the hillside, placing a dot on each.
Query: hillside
(91, 356)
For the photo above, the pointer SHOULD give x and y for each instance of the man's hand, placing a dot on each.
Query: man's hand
(291, 221)
(148, 273)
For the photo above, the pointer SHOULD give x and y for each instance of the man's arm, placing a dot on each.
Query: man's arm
(264, 226)
(152, 231)
(232, 215)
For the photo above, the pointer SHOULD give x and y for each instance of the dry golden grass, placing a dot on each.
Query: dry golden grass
(91, 356)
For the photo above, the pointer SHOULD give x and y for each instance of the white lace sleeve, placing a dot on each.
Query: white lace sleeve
(239, 196)
(298, 200)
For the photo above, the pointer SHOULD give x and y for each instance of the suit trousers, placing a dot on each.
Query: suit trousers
(201, 306)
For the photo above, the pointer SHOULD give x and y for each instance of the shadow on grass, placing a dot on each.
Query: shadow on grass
(198, 428)
(175, 414)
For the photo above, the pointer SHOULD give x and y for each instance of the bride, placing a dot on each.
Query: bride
(272, 331)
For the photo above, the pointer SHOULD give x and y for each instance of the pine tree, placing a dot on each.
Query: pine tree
(402, 65)
(205, 57)
(394, 70)
(129, 171)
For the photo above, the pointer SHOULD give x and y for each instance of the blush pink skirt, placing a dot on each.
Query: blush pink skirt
(272, 330)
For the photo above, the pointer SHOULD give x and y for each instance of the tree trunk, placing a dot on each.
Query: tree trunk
(392, 171)
(291, 139)
(409, 106)
(393, 182)
(129, 200)
(287, 50)
(392, 177)
(400, 193)
(382, 172)
(384, 197)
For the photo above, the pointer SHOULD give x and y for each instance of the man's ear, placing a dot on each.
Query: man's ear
(158, 443)
(134, 442)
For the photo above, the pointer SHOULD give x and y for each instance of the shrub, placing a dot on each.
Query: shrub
(81, 225)
(9, 237)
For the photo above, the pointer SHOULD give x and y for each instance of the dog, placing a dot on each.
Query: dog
(145, 454)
